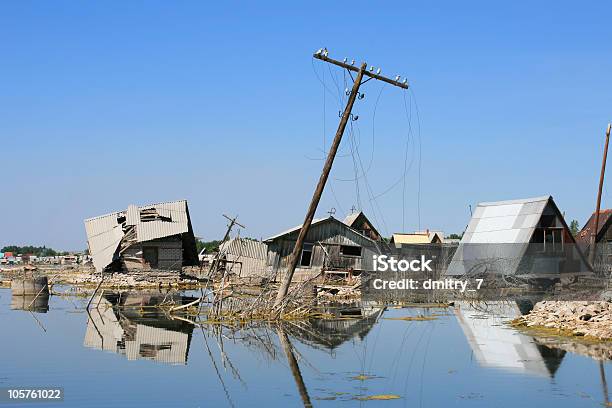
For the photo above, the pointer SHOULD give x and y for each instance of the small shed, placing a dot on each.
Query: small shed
(330, 246)
(151, 237)
(526, 238)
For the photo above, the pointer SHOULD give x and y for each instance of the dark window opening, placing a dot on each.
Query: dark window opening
(306, 258)
(551, 239)
(350, 250)
(151, 214)
(151, 256)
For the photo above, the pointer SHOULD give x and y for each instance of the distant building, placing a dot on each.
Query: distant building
(419, 237)
(359, 222)
(525, 238)
(603, 235)
(330, 246)
(150, 237)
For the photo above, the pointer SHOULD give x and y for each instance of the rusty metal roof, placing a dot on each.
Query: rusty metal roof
(605, 220)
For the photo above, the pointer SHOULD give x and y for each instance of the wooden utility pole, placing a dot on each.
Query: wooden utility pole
(597, 209)
(361, 72)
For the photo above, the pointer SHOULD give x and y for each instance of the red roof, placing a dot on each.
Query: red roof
(605, 219)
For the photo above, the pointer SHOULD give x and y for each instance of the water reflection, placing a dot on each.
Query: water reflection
(494, 344)
(31, 294)
(126, 324)
(349, 322)
(364, 351)
(31, 303)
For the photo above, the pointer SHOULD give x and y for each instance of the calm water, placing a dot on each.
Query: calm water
(130, 357)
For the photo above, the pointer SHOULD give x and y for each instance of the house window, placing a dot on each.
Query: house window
(350, 250)
(151, 256)
(306, 258)
(553, 240)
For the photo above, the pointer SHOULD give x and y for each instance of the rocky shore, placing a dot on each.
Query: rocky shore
(572, 318)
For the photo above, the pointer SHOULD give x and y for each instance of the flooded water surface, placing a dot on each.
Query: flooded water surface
(126, 353)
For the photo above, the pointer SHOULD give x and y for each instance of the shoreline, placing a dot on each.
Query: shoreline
(589, 320)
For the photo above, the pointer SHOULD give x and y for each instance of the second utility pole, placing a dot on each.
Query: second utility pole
(297, 250)
(593, 245)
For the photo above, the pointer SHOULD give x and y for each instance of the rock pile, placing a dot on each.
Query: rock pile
(590, 319)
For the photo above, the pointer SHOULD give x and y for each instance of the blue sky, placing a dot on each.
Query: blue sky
(104, 104)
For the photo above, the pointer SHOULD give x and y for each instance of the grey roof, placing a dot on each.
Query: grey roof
(245, 248)
(315, 222)
(350, 219)
(104, 233)
(504, 222)
(296, 228)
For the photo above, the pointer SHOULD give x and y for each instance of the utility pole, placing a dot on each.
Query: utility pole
(322, 55)
(601, 180)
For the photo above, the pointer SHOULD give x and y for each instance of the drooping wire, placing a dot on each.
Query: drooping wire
(325, 90)
(416, 108)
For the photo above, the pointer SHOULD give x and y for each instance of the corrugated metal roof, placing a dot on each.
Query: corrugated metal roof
(319, 221)
(246, 248)
(175, 211)
(104, 233)
(103, 237)
(289, 231)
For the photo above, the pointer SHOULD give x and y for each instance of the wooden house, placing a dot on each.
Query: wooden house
(331, 246)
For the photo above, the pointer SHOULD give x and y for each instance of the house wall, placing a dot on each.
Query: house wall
(170, 255)
(329, 236)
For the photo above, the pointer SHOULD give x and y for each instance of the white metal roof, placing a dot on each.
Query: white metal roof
(493, 227)
(505, 222)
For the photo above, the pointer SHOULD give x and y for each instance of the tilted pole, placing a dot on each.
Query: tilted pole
(295, 254)
(598, 207)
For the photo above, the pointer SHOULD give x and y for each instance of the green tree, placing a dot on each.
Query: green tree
(29, 249)
(210, 246)
(574, 227)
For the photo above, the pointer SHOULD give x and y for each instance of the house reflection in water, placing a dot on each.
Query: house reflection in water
(120, 325)
(351, 323)
(496, 345)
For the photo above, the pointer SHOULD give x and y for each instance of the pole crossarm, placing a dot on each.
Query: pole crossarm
(371, 75)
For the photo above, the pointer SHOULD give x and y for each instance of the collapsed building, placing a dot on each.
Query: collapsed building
(141, 238)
